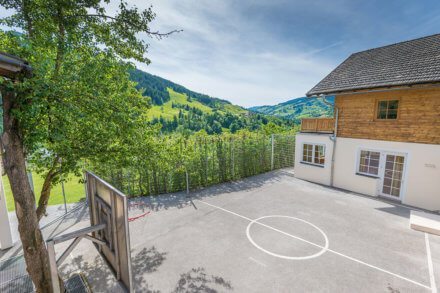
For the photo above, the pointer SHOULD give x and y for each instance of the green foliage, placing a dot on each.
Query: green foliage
(208, 159)
(297, 108)
(80, 104)
(192, 119)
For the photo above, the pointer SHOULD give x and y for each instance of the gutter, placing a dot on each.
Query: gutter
(333, 136)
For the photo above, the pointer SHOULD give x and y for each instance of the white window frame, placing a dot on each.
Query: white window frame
(313, 154)
(358, 163)
(383, 152)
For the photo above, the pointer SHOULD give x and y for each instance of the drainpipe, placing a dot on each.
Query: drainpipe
(333, 136)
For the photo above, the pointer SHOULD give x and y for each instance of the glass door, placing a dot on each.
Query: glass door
(393, 175)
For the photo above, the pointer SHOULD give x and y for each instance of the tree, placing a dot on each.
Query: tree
(79, 104)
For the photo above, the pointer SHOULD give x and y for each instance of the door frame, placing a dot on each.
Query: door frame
(383, 155)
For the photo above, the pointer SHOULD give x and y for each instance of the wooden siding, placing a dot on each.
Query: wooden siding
(418, 116)
(324, 125)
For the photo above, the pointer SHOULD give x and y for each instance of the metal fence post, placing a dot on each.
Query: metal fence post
(64, 195)
(233, 159)
(128, 182)
(86, 194)
(31, 182)
(187, 181)
(30, 178)
(272, 153)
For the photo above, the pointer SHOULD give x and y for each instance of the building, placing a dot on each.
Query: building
(384, 138)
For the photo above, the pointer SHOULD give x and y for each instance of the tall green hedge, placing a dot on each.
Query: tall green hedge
(207, 159)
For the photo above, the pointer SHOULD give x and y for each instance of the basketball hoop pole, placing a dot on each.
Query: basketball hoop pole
(77, 235)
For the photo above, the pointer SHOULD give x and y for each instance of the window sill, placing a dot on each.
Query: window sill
(311, 164)
(385, 120)
(369, 176)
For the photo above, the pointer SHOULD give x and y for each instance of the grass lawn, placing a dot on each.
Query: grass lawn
(235, 109)
(74, 191)
(168, 112)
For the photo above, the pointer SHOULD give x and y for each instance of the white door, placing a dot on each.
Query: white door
(392, 177)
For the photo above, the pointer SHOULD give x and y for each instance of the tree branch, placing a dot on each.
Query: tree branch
(47, 186)
(155, 33)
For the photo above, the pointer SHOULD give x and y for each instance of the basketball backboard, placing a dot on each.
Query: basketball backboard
(108, 231)
(108, 206)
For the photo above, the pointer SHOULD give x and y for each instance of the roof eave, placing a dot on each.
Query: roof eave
(334, 92)
(11, 66)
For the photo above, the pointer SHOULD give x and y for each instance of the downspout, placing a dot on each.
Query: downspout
(333, 136)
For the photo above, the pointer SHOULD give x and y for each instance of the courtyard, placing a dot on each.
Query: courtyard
(269, 233)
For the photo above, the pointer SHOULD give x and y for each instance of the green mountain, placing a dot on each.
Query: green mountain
(164, 92)
(298, 108)
(179, 109)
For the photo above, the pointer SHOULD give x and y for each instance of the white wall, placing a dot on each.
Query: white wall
(310, 172)
(421, 187)
(5, 227)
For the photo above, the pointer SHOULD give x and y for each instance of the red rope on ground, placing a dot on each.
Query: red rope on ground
(138, 217)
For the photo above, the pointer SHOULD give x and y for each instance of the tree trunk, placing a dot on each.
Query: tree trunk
(34, 248)
(45, 191)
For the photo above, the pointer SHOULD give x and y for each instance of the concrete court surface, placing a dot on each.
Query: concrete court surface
(271, 233)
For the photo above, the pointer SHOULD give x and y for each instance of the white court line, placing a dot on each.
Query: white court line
(256, 221)
(430, 266)
(256, 261)
(317, 245)
(262, 224)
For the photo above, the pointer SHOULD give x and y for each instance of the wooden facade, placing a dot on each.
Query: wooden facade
(418, 118)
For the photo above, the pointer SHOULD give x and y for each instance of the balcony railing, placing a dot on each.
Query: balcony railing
(321, 125)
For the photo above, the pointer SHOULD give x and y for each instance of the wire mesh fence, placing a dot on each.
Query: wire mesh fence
(200, 161)
(13, 275)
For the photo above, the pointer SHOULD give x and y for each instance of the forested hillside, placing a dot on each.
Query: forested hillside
(296, 109)
(178, 109)
(157, 87)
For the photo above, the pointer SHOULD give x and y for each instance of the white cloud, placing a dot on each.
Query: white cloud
(255, 52)
(223, 53)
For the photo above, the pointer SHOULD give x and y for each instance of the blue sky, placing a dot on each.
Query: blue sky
(256, 52)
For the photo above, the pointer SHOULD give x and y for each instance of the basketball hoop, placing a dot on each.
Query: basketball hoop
(108, 231)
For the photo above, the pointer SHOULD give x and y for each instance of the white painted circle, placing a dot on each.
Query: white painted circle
(323, 248)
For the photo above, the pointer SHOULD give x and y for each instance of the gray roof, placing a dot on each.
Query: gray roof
(406, 63)
(11, 66)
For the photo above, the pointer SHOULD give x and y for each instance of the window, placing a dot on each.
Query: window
(387, 109)
(313, 154)
(369, 163)
(319, 157)
(308, 153)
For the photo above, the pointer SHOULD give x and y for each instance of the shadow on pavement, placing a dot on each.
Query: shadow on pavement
(144, 262)
(181, 200)
(102, 280)
(197, 280)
